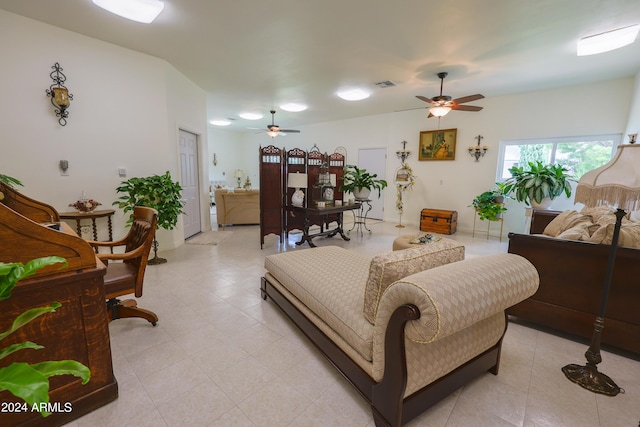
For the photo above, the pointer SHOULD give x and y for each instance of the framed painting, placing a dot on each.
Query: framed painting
(437, 144)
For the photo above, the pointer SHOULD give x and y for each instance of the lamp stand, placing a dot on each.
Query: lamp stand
(588, 376)
(400, 224)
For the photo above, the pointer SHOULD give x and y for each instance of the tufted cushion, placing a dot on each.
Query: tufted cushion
(629, 235)
(577, 232)
(391, 266)
(565, 221)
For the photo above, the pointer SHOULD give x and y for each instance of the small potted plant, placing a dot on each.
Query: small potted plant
(537, 183)
(487, 207)
(360, 183)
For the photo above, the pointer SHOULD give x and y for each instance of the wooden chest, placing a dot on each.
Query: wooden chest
(438, 221)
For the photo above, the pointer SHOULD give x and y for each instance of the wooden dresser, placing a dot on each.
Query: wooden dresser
(78, 330)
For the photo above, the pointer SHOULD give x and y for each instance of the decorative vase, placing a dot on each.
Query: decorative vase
(544, 203)
(362, 194)
(85, 205)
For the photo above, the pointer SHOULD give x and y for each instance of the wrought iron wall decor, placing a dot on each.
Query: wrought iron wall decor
(60, 96)
(476, 150)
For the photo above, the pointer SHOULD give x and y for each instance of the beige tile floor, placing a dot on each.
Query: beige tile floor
(221, 356)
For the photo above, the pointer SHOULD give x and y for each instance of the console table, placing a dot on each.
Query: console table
(309, 212)
(93, 215)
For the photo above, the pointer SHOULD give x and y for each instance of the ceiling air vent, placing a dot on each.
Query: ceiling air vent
(385, 83)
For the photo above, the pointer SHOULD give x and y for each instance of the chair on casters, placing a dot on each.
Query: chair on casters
(126, 277)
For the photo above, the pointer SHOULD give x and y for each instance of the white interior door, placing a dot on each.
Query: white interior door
(374, 160)
(190, 183)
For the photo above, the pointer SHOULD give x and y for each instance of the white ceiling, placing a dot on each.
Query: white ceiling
(256, 55)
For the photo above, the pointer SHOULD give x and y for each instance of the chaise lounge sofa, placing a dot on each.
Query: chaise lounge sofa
(406, 328)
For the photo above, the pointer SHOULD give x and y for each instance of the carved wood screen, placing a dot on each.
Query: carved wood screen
(296, 161)
(275, 196)
(271, 192)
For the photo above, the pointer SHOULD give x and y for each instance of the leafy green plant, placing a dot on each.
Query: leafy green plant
(487, 206)
(539, 181)
(356, 179)
(10, 181)
(30, 382)
(159, 192)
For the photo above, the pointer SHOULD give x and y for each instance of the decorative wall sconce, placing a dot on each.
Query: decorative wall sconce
(215, 160)
(403, 154)
(60, 96)
(476, 150)
(633, 138)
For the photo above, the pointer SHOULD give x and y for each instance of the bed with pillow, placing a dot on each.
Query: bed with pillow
(570, 250)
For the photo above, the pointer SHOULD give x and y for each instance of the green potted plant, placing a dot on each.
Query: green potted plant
(487, 205)
(159, 192)
(537, 183)
(30, 382)
(360, 183)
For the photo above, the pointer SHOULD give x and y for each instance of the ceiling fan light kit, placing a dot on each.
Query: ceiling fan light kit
(442, 104)
(144, 11)
(607, 41)
(274, 130)
(439, 111)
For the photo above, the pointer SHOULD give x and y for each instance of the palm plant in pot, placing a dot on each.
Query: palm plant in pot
(360, 183)
(539, 182)
(159, 192)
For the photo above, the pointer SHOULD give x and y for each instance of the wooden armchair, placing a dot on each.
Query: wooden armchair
(126, 277)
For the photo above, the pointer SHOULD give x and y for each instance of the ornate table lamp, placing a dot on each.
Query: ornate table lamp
(616, 184)
(297, 181)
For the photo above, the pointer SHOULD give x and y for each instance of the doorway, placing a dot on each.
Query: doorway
(374, 160)
(190, 183)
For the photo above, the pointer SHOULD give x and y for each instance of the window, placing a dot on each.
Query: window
(579, 154)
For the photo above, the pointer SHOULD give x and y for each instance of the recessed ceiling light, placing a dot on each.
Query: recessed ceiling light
(610, 40)
(293, 107)
(353, 94)
(220, 122)
(251, 116)
(144, 11)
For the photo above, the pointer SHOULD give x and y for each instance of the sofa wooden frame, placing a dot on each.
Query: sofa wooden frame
(386, 397)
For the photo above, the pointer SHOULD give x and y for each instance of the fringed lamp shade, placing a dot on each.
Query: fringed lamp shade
(616, 184)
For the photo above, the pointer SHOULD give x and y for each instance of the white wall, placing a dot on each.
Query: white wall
(633, 125)
(126, 110)
(452, 185)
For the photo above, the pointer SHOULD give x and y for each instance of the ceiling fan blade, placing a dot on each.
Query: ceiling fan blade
(466, 107)
(468, 98)
(410, 109)
(289, 130)
(425, 99)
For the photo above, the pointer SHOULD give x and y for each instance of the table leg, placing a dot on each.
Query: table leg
(305, 233)
(78, 227)
(95, 229)
(340, 229)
